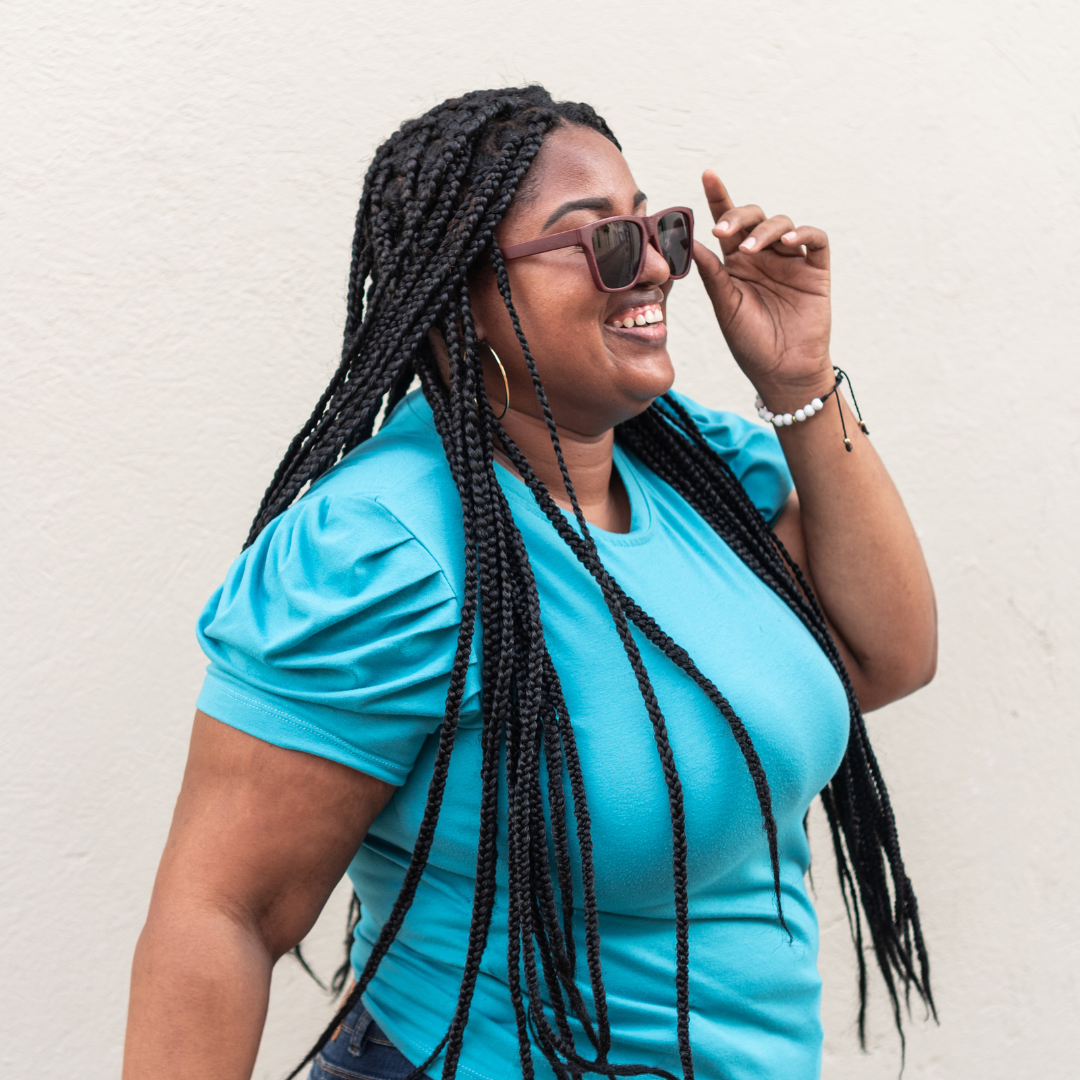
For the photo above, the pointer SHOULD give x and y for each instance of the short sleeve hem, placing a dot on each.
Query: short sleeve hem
(275, 720)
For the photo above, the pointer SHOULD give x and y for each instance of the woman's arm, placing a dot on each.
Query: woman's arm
(259, 838)
(846, 527)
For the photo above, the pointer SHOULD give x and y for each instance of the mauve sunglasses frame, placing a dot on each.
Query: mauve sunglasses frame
(583, 236)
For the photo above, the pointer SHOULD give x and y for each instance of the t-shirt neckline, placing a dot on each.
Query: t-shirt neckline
(641, 511)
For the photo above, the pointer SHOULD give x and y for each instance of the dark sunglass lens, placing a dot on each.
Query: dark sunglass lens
(617, 248)
(673, 231)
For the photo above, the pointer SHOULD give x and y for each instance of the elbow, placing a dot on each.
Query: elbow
(899, 652)
(929, 668)
(900, 675)
(925, 670)
(915, 677)
(921, 666)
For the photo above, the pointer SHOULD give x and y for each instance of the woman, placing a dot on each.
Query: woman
(579, 623)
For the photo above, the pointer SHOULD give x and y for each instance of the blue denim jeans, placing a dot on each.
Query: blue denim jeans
(361, 1051)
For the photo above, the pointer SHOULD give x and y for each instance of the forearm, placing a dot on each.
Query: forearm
(861, 553)
(199, 989)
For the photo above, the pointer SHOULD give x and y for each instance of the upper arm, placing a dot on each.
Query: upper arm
(331, 641)
(263, 833)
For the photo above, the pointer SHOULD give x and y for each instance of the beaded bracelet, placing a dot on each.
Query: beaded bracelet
(812, 407)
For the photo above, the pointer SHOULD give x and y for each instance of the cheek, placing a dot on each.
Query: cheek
(555, 308)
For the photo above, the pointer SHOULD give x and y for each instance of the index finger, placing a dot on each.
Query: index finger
(720, 201)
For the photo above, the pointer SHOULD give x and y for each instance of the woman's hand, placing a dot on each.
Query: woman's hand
(771, 297)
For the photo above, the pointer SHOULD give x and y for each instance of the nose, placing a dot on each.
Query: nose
(655, 271)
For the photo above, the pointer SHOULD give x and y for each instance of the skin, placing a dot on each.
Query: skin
(261, 835)
(259, 838)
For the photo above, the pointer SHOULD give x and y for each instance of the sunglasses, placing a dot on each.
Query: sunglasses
(615, 247)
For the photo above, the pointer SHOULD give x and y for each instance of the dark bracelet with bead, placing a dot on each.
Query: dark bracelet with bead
(800, 415)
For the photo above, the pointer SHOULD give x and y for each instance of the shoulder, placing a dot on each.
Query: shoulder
(403, 469)
(347, 606)
(378, 540)
(327, 565)
(750, 449)
(396, 484)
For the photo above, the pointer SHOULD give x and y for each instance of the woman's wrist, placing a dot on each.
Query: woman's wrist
(801, 413)
(786, 396)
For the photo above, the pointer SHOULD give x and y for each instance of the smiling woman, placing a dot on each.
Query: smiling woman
(554, 663)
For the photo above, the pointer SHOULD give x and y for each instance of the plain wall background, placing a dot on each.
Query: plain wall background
(179, 182)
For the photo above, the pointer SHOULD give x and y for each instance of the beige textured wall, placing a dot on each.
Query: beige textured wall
(178, 185)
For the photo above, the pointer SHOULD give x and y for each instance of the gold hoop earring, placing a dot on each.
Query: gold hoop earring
(506, 382)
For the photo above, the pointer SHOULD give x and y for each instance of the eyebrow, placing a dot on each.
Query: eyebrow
(599, 203)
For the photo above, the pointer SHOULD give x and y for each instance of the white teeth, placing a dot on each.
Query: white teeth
(647, 317)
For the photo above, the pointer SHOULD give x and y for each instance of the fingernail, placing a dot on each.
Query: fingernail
(749, 243)
(790, 237)
(723, 226)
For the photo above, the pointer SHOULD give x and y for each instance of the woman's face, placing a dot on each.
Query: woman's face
(596, 372)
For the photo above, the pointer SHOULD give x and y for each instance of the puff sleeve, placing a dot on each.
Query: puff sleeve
(335, 634)
(753, 453)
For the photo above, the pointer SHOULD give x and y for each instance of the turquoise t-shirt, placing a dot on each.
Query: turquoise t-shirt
(334, 633)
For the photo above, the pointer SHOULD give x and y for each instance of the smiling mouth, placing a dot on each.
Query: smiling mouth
(633, 318)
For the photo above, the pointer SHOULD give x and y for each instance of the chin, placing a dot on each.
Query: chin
(645, 379)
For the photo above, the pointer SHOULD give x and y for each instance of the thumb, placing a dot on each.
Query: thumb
(722, 292)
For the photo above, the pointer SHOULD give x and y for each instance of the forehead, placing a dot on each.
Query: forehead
(573, 163)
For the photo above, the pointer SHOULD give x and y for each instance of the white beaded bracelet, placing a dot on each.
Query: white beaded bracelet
(787, 419)
(815, 406)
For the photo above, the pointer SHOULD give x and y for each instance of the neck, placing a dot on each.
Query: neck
(589, 461)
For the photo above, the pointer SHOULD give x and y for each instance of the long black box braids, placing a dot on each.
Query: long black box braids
(433, 196)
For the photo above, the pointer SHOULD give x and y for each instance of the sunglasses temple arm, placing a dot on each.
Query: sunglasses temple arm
(542, 243)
